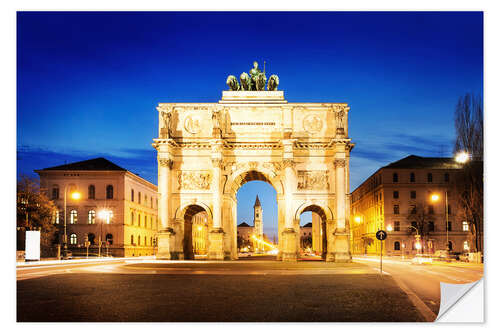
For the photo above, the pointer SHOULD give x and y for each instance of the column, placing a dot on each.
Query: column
(341, 236)
(216, 236)
(289, 234)
(166, 233)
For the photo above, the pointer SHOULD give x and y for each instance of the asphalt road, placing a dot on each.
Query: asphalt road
(239, 291)
(424, 280)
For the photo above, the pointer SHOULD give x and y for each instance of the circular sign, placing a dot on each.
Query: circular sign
(381, 235)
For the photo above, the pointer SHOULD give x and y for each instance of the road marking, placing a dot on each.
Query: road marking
(424, 310)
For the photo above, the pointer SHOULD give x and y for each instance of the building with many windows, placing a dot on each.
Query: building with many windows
(105, 204)
(414, 200)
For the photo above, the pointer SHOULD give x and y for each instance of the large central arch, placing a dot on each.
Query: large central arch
(207, 151)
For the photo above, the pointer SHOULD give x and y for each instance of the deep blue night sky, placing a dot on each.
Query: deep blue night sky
(88, 83)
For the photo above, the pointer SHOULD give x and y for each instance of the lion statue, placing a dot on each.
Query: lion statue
(245, 81)
(232, 82)
(273, 82)
(260, 81)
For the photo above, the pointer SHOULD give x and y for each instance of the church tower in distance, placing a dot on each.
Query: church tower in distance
(257, 222)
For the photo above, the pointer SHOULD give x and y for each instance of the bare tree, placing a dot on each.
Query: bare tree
(469, 183)
(420, 218)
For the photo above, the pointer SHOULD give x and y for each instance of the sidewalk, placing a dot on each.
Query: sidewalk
(396, 259)
(53, 261)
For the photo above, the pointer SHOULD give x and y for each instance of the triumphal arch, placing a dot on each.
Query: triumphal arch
(207, 151)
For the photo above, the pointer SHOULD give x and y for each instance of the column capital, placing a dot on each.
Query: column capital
(166, 162)
(339, 163)
(288, 163)
(217, 162)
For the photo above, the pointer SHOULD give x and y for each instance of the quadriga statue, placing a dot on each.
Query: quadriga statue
(232, 82)
(273, 82)
(255, 81)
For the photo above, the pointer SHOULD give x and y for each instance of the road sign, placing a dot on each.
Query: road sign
(381, 235)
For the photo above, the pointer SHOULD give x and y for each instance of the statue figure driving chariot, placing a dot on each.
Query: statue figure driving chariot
(254, 82)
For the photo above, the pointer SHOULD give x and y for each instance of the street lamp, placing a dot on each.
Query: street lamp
(434, 198)
(105, 215)
(462, 157)
(75, 195)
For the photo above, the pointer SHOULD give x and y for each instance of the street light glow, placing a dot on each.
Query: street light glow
(105, 214)
(434, 197)
(76, 195)
(418, 246)
(357, 219)
(199, 228)
(389, 227)
(462, 157)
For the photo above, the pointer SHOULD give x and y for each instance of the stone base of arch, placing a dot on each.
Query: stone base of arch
(289, 245)
(341, 248)
(216, 244)
(166, 241)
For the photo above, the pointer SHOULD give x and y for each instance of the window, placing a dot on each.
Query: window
(132, 216)
(431, 225)
(55, 217)
(397, 246)
(256, 214)
(397, 226)
(449, 225)
(450, 245)
(145, 200)
(396, 209)
(465, 226)
(73, 216)
(449, 209)
(132, 239)
(139, 220)
(395, 194)
(72, 239)
(139, 240)
(431, 209)
(412, 177)
(446, 177)
(55, 192)
(413, 209)
(91, 192)
(109, 239)
(394, 177)
(132, 195)
(413, 194)
(429, 177)
(151, 240)
(466, 246)
(109, 192)
(139, 197)
(151, 202)
(91, 238)
(91, 216)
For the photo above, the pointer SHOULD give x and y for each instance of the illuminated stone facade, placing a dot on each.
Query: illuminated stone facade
(103, 186)
(399, 197)
(207, 151)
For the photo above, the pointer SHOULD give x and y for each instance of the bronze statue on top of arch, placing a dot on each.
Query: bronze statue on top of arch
(254, 82)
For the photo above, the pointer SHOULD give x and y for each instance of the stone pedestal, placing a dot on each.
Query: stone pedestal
(341, 244)
(216, 244)
(165, 245)
(289, 245)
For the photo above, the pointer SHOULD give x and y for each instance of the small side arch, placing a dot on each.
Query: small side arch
(181, 210)
(316, 207)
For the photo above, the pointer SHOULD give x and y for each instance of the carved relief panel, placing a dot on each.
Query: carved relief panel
(313, 180)
(194, 180)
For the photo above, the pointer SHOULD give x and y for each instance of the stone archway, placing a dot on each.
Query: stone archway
(206, 151)
(322, 232)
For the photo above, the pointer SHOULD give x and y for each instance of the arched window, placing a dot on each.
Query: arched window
(132, 217)
(73, 216)
(55, 192)
(91, 192)
(397, 246)
(395, 177)
(109, 239)
(412, 177)
(91, 216)
(132, 239)
(139, 220)
(139, 240)
(72, 239)
(132, 195)
(109, 192)
(139, 197)
(151, 241)
(91, 238)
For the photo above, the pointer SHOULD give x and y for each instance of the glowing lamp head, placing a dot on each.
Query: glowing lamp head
(418, 246)
(104, 214)
(462, 157)
(389, 227)
(76, 195)
(434, 197)
(199, 228)
(357, 219)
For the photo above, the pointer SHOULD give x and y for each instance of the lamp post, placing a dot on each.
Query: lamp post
(417, 236)
(104, 215)
(358, 219)
(434, 198)
(75, 196)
